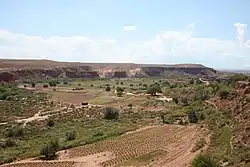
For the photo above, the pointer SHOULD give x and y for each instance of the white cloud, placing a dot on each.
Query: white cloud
(240, 32)
(129, 28)
(109, 40)
(191, 26)
(166, 47)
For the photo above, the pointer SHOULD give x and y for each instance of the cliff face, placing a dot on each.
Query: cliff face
(11, 70)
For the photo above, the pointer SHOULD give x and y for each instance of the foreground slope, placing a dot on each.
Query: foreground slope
(168, 146)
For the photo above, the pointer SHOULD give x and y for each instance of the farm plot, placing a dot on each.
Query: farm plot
(163, 145)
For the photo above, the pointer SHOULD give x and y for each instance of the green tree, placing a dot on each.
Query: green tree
(153, 89)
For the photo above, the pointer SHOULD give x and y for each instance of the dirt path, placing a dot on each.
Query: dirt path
(206, 82)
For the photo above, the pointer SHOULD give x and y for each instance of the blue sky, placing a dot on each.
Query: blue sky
(140, 31)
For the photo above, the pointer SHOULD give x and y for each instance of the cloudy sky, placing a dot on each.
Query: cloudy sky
(214, 33)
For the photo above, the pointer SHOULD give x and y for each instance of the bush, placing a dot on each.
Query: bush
(45, 86)
(121, 83)
(65, 83)
(175, 99)
(33, 84)
(131, 85)
(111, 113)
(108, 88)
(145, 85)
(9, 143)
(91, 85)
(50, 123)
(184, 101)
(130, 105)
(70, 135)
(201, 94)
(199, 144)
(237, 77)
(48, 152)
(15, 132)
(119, 89)
(53, 83)
(192, 117)
(191, 82)
(119, 93)
(3, 96)
(223, 94)
(204, 161)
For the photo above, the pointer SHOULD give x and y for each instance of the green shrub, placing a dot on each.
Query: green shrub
(9, 143)
(223, 94)
(175, 99)
(70, 135)
(53, 83)
(199, 144)
(192, 117)
(33, 84)
(111, 113)
(204, 161)
(48, 151)
(119, 89)
(119, 93)
(108, 88)
(191, 82)
(145, 85)
(50, 123)
(15, 132)
(184, 100)
(173, 86)
(45, 86)
(121, 83)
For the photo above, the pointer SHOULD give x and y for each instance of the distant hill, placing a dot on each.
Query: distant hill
(11, 69)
